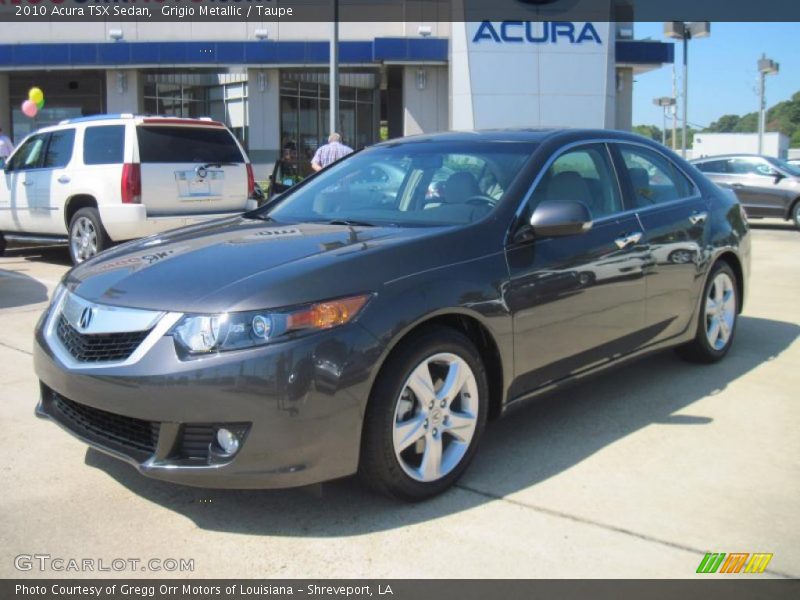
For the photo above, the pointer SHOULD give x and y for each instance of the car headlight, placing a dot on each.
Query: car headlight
(204, 334)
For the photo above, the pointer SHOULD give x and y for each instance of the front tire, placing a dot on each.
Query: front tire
(426, 414)
(87, 236)
(716, 324)
(2, 244)
(796, 214)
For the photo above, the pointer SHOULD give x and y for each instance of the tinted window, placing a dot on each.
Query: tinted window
(653, 177)
(750, 166)
(59, 149)
(713, 166)
(165, 144)
(104, 145)
(29, 154)
(417, 184)
(582, 175)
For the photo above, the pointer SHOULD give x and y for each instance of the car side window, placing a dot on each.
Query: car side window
(29, 154)
(59, 149)
(583, 174)
(713, 166)
(104, 145)
(654, 178)
(750, 166)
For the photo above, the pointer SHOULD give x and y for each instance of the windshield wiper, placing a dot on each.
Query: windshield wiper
(350, 222)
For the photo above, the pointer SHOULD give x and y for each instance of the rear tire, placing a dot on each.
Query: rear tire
(425, 416)
(716, 323)
(2, 244)
(87, 236)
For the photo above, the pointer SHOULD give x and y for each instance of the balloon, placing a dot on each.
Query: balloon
(40, 105)
(35, 95)
(29, 108)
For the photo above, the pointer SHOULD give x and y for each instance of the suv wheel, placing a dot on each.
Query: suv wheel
(796, 214)
(717, 321)
(87, 236)
(426, 414)
(2, 244)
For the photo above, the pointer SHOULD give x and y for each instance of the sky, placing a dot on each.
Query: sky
(723, 78)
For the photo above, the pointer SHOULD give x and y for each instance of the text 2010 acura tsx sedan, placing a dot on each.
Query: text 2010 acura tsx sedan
(348, 327)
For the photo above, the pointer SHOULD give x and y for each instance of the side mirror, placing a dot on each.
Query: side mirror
(555, 218)
(778, 176)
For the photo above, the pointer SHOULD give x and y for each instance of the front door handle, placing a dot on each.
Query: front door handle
(27, 182)
(64, 179)
(627, 240)
(737, 185)
(698, 217)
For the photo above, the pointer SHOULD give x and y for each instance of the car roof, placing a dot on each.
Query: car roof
(723, 156)
(533, 135)
(155, 119)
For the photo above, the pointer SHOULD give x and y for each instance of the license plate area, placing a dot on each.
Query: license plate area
(191, 186)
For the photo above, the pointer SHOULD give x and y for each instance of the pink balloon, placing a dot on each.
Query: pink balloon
(29, 108)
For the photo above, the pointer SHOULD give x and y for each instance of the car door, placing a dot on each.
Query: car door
(51, 184)
(20, 177)
(578, 300)
(674, 216)
(755, 183)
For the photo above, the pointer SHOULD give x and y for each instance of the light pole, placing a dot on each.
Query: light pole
(686, 31)
(665, 102)
(333, 72)
(766, 66)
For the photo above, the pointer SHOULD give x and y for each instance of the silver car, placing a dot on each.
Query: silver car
(766, 187)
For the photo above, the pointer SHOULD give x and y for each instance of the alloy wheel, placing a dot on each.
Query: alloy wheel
(83, 239)
(720, 311)
(435, 417)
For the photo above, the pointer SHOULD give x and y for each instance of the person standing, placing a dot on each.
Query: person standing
(330, 152)
(6, 146)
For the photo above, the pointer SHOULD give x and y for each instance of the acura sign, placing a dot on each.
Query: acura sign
(545, 32)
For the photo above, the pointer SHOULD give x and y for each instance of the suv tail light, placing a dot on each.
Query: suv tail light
(131, 183)
(251, 181)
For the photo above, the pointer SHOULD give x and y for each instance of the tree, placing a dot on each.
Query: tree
(648, 131)
(725, 124)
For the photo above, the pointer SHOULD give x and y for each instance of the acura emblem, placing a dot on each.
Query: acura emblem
(86, 318)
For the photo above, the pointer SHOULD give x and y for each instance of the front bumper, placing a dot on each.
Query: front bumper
(299, 405)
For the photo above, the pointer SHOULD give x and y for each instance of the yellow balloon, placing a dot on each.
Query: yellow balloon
(35, 95)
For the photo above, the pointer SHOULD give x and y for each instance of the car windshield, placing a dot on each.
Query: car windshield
(793, 170)
(409, 184)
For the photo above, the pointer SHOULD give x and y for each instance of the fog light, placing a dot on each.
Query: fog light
(228, 441)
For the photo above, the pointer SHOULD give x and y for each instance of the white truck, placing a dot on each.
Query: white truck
(96, 180)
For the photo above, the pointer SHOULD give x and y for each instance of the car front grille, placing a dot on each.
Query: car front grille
(127, 433)
(98, 347)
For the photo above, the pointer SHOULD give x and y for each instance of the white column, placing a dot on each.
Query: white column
(264, 116)
(425, 99)
(124, 91)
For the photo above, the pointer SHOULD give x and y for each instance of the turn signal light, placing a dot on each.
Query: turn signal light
(325, 315)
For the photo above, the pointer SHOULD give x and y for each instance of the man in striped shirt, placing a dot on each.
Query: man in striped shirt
(330, 152)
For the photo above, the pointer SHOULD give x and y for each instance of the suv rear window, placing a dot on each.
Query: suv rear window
(167, 144)
(104, 145)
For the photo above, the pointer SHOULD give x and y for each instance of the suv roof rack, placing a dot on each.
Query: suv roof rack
(103, 117)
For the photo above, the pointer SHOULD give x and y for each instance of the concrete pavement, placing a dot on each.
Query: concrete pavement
(635, 474)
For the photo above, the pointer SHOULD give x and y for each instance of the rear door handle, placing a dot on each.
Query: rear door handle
(698, 217)
(627, 240)
(64, 179)
(26, 182)
(737, 185)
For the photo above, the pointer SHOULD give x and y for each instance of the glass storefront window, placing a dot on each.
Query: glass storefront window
(305, 114)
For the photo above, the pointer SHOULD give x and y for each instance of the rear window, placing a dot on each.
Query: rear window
(104, 145)
(162, 144)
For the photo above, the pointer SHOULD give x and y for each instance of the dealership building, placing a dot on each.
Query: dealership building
(269, 81)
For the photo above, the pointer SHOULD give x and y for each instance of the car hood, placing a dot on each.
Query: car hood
(243, 264)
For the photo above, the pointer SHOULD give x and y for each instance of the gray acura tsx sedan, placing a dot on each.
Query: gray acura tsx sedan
(360, 325)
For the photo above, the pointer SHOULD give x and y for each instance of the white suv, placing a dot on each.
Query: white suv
(102, 179)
